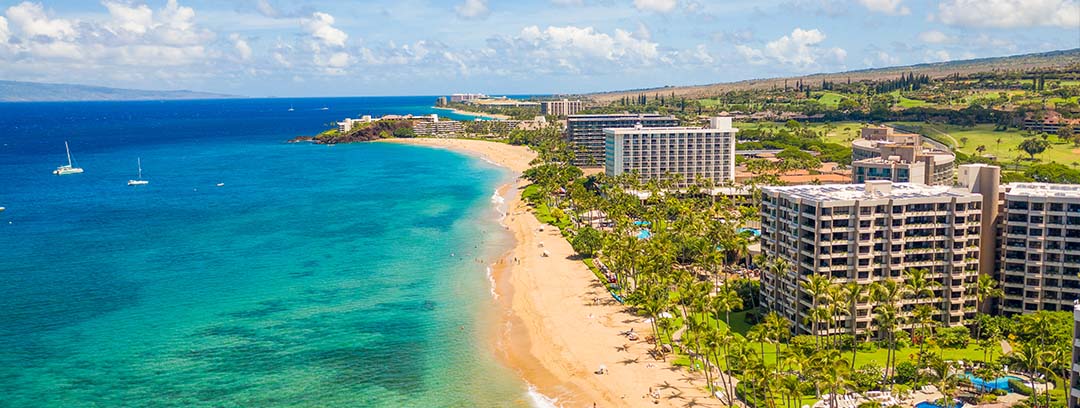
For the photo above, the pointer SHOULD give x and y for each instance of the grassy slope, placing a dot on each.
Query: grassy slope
(1007, 151)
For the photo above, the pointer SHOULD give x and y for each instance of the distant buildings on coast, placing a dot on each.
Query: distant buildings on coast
(563, 107)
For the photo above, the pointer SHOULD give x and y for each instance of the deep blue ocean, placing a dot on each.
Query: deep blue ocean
(315, 276)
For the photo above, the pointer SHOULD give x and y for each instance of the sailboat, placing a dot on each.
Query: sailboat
(139, 181)
(70, 168)
(291, 108)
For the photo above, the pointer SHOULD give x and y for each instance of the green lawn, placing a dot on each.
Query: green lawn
(830, 99)
(839, 132)
(908, 102)
(985, 135)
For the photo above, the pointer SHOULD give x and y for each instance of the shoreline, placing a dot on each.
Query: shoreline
(490, 116)
(558, 323)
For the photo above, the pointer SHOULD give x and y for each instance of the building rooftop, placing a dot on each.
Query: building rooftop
(716, 124)
(603, 117)
(869, 191)
(1042, 190)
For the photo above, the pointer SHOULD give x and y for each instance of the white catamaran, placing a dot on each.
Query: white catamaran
(70, 168)
(139, 181)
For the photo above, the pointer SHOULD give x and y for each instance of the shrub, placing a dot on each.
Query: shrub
(1019, 387)
(906, 372)
(806, 344)
(587, 241)
(867, 377)
(847, 342)
(954, 337)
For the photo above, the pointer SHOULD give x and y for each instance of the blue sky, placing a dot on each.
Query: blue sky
(428, 47)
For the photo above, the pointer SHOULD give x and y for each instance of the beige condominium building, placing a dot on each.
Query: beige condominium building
(872, 232)
(564, 107)
(1040, 253)
(681, 154)
(884, 154)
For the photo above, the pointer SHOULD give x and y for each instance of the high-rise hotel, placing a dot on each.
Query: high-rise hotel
(679, 154)
(876, 231)
(586, 132)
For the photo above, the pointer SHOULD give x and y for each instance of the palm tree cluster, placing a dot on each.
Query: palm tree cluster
(689, 277)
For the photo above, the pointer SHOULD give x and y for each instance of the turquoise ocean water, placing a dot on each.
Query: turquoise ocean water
(316, 276)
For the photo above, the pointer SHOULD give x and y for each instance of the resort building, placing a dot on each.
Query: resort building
(873, 232)
(586, 132)
(883, 154)
(440, 101)
(501, 101)
(465, 97)
(1050, 122)
(561, 108)
(437, 127)
(347, 124)
(682, 154)
(1040, 254)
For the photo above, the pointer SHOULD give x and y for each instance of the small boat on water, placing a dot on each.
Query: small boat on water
(324, 108)
(221, 184)
(138, 181)
(70, 167)
(291, 108)
(2, 209)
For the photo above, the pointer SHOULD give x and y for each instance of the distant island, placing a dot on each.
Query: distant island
(18, 91)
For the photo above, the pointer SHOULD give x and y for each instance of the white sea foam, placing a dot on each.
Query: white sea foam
(491, 279)
(500, 204)
(539, 400)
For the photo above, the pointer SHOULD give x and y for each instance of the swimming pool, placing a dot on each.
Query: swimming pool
(1001, 383)
(928, 404)
(753, 231)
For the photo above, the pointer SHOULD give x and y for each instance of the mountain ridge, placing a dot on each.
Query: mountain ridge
(1042, 60)
(22, 91)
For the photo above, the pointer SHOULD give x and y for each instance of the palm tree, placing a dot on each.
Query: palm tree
(1031, 358)
(726, 301)
(778, 268)
(920, 286)
(985, 288)
(888, 294)
(855, 294)
(941, 374)
(816, 286)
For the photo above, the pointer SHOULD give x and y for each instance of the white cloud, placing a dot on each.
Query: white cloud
(887, 59)
(31, 20)
(800, 49)
(587, 42)
(937, 56)
(934, 37)
(265, 8)
(134, 19)
(659, 6)
(5, 34)
(472, 9)
(891, 7)
(1010, 13)
(321, 26)
(243, 50)
(702, 54)
(568, 2)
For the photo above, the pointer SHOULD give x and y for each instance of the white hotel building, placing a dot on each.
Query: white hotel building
(664, 153)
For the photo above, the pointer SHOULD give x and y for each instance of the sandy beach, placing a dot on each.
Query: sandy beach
(561, 324)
